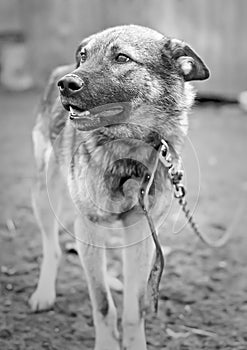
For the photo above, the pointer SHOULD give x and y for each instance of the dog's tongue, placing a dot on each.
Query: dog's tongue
(106, 115)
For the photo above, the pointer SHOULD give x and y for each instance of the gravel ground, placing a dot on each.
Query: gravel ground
(203, 303)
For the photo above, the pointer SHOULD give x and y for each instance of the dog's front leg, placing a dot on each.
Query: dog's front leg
(93, 259)
(44, 296)
(137, 265)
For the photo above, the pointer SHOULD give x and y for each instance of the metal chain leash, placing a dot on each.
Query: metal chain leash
(176, 176)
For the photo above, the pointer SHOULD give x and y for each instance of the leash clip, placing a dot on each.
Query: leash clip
(165, 155)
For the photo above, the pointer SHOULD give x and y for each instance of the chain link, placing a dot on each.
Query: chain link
(176, 176)
(184, 205)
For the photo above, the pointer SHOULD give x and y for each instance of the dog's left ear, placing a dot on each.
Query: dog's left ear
(191, 65)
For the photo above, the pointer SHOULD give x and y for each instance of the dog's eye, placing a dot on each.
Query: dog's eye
(122, 58)
(83, 55)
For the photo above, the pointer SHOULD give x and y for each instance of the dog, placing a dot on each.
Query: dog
(98, 126)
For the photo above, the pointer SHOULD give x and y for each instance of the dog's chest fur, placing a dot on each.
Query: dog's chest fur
(105, 174)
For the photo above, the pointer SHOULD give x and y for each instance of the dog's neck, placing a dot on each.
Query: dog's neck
(124, 152)
(123, 140)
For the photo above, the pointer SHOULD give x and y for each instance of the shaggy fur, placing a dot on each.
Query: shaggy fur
(103, 167)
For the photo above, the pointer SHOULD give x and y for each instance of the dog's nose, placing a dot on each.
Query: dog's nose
(70, 84)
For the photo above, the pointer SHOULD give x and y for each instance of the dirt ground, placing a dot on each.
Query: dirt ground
(203, 302)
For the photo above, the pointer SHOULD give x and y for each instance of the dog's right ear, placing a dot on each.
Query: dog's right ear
(190, 64)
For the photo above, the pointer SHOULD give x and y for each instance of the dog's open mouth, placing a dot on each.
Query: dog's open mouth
(76, 113)
(101, 116)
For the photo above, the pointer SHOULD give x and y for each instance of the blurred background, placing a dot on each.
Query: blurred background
(203, 295)
(36, 36)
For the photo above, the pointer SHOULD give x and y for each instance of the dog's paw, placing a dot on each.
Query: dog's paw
(41, 300)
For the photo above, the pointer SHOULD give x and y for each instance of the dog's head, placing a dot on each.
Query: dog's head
(134, 65)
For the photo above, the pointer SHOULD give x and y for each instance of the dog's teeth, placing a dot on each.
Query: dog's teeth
(72, 111)
(75, 112)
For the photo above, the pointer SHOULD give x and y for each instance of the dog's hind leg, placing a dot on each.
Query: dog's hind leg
(93, 259)
(137, 260)
(45, 294)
